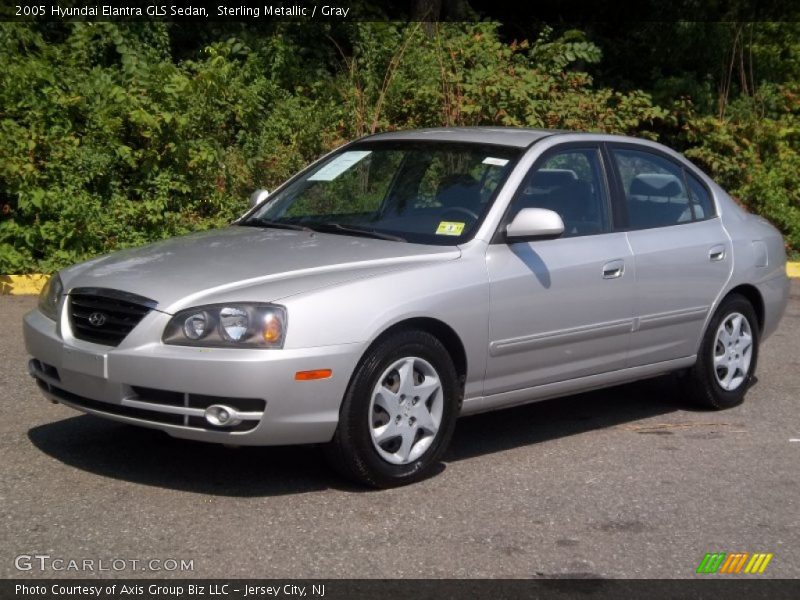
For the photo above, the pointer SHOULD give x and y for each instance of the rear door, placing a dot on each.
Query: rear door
(681, 251)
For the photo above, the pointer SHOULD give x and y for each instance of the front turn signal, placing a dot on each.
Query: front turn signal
(311, 375)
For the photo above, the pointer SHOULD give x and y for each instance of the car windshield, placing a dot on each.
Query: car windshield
(420, 192)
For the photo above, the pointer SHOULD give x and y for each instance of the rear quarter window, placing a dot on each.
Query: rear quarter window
(701, 198)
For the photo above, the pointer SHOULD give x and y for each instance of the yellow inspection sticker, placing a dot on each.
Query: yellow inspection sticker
(450, 228)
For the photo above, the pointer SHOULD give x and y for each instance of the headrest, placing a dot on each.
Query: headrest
(456, 180)
(656, 184)
(553, 177)
(458, 189)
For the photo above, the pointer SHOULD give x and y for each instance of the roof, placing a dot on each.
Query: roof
(519, 137)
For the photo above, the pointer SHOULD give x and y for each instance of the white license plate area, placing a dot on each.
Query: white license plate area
(81, 361)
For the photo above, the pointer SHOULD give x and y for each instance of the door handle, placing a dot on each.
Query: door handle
(716, 253)
(614, 269)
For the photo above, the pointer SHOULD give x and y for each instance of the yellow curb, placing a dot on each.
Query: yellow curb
(21, 285)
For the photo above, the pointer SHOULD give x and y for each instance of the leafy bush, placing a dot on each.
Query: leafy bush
(108, 143)
(115, 135)
(755, 155)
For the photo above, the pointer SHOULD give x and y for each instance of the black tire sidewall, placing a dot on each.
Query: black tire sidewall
(714, 394)
(353, 435)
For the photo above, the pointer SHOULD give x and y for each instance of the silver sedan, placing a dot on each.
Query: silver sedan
(409, 278)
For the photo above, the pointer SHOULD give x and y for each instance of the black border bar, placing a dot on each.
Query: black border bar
(750, 587)
(309, 11)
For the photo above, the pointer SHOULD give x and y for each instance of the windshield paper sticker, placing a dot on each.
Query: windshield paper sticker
(497, 162)
(450, 228)
(339, 165)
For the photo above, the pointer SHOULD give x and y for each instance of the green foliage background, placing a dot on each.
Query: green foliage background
(114, 135)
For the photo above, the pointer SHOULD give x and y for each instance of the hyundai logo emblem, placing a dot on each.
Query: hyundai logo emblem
(97, 319)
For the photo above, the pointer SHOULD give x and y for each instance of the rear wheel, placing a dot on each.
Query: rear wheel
(399, 412)
(728, 356)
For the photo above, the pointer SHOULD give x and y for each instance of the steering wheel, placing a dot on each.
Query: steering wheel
(461, 209)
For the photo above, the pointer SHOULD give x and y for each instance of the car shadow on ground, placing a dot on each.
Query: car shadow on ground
(561, 417)
(150, 457)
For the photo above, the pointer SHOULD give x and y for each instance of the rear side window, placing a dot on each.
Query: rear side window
(654, 189)
(701, 199)
(571, 183)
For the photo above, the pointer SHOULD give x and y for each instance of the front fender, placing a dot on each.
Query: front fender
(453, 292)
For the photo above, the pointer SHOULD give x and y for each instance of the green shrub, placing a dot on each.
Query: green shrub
(755, 155)
(115, 135)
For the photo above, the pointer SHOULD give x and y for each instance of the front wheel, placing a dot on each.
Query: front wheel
(728, 356)
(399, 412)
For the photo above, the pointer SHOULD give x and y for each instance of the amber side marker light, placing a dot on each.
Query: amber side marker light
(316, 374)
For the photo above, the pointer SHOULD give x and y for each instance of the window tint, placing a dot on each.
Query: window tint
(360, 187)
(424, 192)
(460, 179)
(703, 205)
(654, 188)
(570, 183)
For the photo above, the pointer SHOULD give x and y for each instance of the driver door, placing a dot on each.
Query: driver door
(561, 308)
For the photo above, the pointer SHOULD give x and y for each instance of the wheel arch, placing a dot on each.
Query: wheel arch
(438, 329)
(751, 293)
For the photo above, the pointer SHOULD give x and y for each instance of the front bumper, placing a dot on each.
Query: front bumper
(166, 387)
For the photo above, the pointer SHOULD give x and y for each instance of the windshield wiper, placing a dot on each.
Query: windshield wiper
(332, 227)
(256, 222)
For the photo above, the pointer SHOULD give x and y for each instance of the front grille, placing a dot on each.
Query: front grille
(111, 409)
(38, 366)
(105, 316)
(193, 404)
(197, 400)
(156, 406)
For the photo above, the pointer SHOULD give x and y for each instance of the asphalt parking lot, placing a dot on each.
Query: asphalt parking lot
(626, 482)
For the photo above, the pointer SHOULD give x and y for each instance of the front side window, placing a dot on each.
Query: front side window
(571, 183)
(654, 190)
(422, 192)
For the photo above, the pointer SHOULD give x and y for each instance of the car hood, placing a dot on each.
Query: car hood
(251, 263)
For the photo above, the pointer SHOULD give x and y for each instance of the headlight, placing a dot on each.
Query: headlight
(195, 327)
(50, 296)
(235, 325)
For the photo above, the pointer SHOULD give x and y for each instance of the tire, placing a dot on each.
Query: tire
(395, 423)
(724, 384)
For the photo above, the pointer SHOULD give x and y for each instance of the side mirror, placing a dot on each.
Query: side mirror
(258, 197)
(535, 224)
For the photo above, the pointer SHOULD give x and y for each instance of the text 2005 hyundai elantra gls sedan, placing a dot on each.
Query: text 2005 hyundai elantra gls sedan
(409, 278)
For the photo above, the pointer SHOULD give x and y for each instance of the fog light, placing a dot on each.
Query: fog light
(220, 415)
